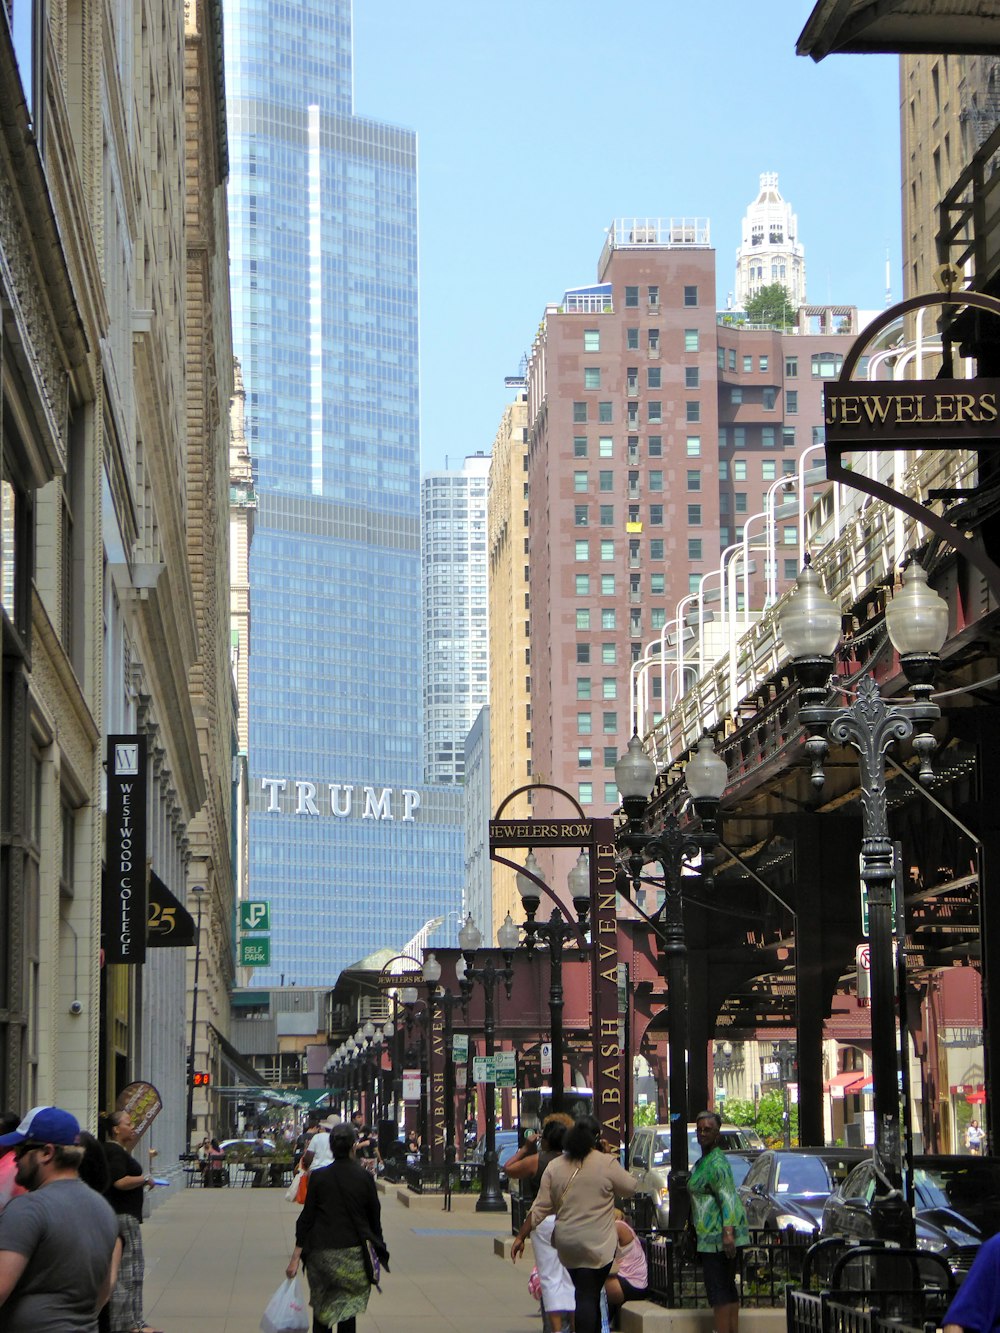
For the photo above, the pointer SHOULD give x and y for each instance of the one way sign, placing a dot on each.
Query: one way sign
(255, 916)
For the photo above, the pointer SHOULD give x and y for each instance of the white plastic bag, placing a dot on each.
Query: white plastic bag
(292, 1193)
(286, 1310)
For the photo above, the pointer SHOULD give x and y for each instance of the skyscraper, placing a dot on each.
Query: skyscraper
(770, 250)
(456, 659)
(347, 845)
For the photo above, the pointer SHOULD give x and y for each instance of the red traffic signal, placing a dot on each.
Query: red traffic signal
(201, 1080)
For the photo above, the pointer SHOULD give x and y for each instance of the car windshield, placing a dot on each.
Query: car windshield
(801, 1176)
(740, 1166)
(968, 1187)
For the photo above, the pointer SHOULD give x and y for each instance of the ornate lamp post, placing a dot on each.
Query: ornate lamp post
(555, 933)
(673, 847)
(470, 938)
(917, 621)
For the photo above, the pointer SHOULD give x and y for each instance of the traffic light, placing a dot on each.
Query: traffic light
(201, 1080)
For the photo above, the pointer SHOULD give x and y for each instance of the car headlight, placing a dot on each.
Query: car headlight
(932, 1243)
(795, 1222)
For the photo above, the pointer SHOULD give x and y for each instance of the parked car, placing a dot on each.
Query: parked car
(506, 1146)
(787, 1187)
(957, 1206)
(649, 1158)
(740, 1163)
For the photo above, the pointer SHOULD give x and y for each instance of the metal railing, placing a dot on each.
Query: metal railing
(769, 1265)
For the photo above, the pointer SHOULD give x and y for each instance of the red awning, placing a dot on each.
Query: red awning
(846, 1084)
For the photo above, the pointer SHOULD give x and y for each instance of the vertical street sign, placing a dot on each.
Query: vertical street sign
(608, 1062)
(545, 1059)
(124, 905)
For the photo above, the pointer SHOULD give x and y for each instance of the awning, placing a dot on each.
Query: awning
(899, 26)
(846, 1084)
(169, 924)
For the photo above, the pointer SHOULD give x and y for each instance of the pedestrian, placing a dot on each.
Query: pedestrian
(629, 1280)
(215, 1173)
(974, 1136)
(413, 1148)
(367, 1147)
(57, 1240)
(528, 1167)
(720, 1222)
(9, 1189)
(340, 1217)
(126, 1194)
(579, 1187)
(976, 1308)
(94, 1172)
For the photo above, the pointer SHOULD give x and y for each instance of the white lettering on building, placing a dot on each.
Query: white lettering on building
(373, 802)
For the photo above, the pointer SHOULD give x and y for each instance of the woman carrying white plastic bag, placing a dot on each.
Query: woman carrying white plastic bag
(286, 1310)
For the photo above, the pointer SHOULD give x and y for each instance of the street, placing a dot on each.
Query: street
(215, 1257)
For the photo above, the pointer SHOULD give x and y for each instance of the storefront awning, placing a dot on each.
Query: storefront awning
(846, 1084)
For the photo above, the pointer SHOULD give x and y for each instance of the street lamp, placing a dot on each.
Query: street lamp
(555, 932)
(470, 938)
(199, 891)
(917, 621)
(673, 847)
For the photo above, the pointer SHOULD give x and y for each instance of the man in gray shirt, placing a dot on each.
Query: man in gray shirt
(56, 1242)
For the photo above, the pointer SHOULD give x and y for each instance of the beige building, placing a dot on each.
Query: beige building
(509, 621)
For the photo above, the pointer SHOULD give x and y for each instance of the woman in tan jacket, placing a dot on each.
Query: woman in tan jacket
(580, 1188)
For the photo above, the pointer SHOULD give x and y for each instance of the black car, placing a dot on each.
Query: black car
(788, 1187)
(957, 1206)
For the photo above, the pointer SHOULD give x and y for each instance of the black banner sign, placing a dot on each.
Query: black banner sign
(868, 415)
(540, 832)
(125, 851)
(169, 925)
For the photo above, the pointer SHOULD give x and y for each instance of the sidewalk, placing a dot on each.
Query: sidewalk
(215, 1257)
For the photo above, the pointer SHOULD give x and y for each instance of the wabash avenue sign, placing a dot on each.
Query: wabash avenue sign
(863, 415)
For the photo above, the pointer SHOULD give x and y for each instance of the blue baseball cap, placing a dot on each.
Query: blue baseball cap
(44, 1124)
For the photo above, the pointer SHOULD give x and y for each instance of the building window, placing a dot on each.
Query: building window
(791, 568)
(609, 654)
(583, 654)
(788, 437)
(690, 296)
(723, 470)
(692, 412)
(584, 723)
(611, 796)
(654, 295)
(604, 412)
(585, 793)
(723, 538)
(584, 756)
(654, 411)
(653, 377)
(819, 434)
(770, 398)
(583, 617)
(767, 436)
(747, 365)
(723, 502)
(608, 617)
(607, 550)
(580, 513)
(582, 552)
(739, 469)
(791, 402)
(609, 687)
(762, 364)
(632, 340)
(791, 367)
(609, 723)
(736, 395)
(605, 446)
(581, 482)
(768, 469)
(690, 340)
(788, 467)
(739, 436)
(693, 479)
(592, 377)
(657, 584)
(694, 548)
(583, 687)
(607, 515)
(607, 585)
(606, 480)
(592, 340)
(694, 516)
(732, 358)
(655, 480)
(656, 548)
(656, 516)
(631, 298)
(825, 365)
(653, 339)
(692, 377)
(654, 446)
(790, 534)
(579, 412)
(740, 502)
(583, 585)
(632, 381)
(694, 584)
(657, 617)
(579, 447)
(720, 357)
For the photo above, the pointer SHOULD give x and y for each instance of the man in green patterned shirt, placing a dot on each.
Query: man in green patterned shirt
(720, 1222)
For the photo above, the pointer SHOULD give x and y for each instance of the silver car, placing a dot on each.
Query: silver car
(649, 1158)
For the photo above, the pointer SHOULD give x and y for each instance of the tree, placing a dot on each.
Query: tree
(772, 305)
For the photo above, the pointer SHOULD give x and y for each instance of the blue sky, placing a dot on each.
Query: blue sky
(541, 120)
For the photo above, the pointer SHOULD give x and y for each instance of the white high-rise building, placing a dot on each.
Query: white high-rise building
(456, 634)
(770, 250)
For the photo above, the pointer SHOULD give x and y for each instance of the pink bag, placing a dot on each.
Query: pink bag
(535, 1284)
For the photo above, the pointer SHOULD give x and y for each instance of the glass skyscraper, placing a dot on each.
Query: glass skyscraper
(347, 844)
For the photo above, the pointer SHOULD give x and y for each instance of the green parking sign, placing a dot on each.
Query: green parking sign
(255, 916)
(255, 951)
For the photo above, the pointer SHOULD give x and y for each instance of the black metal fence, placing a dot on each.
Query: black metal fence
(768, 1265)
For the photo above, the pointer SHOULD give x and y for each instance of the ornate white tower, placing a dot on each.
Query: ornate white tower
(770, 250)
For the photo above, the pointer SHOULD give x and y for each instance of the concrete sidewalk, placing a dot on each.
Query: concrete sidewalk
(215, 1257)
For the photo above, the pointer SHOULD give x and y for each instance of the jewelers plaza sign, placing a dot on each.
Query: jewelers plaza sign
(862, 415)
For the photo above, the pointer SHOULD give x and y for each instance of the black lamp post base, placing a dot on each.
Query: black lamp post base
(491, 1198)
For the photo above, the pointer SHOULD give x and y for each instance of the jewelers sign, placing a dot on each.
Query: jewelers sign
(125, 851)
